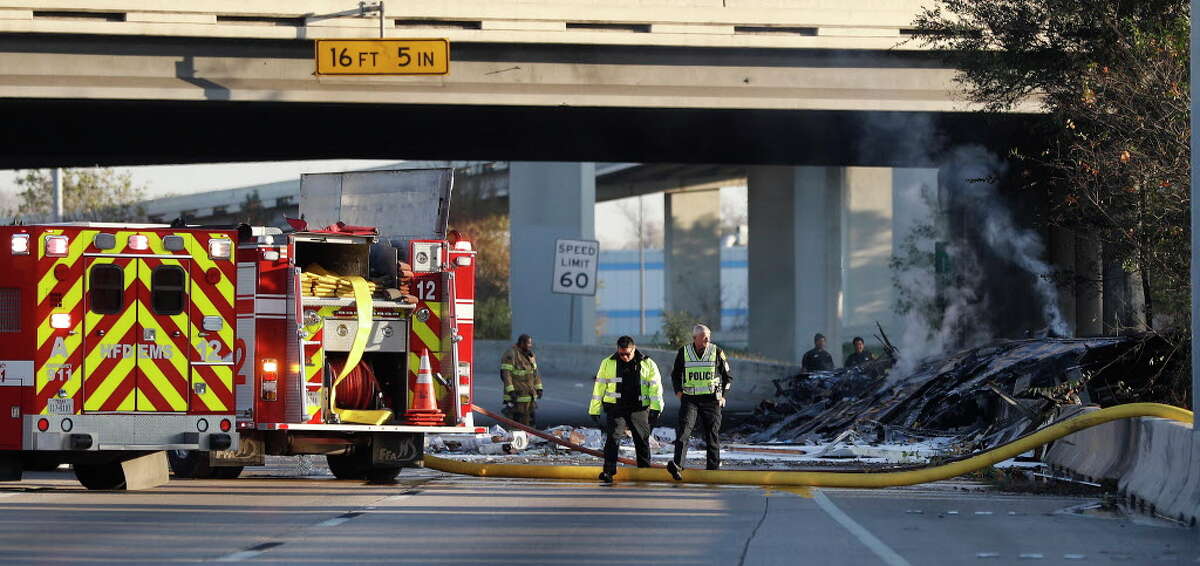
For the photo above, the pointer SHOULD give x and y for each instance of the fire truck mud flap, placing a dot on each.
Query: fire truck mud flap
(145, 472)
(396, 450)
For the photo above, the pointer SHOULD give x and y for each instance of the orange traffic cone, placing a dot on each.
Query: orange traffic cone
(424, 409)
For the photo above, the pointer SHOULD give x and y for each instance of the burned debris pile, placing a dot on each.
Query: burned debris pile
(977, 398)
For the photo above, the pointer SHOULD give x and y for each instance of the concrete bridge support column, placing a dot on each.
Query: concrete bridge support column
(548, 201)
(795, 275)
(1062, 256)
(692, 243)
(1089, 284)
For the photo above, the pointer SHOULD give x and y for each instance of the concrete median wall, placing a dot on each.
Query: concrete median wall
(568, 364)
(1153, 461)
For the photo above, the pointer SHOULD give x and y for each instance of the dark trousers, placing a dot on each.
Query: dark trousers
(706, 413)
(622, 418)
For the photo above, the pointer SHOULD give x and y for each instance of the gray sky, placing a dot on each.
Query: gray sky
(161, 180)
(614, 228)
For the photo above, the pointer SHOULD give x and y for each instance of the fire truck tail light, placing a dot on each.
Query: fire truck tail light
(43, 425)
(20, 244)
(56, 246)
(139, 242)
(462, 245)
(226, 425)
(220, 248)
(463, 261)
(60, 320)
(270, 367)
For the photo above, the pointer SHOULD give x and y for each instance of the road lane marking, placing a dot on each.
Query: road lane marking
(249, 552)
(1074, 557)
(883, 551)
(1031, 556)
(987, 555)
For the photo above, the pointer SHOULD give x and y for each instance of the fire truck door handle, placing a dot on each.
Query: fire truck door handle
(176, 333)
(99, 333)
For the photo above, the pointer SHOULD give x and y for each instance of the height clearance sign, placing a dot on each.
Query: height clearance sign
(382, 56)
(575, 266)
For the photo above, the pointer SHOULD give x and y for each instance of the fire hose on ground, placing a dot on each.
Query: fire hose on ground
(812, 478)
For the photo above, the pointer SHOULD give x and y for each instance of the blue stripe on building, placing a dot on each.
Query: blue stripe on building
(651, 313)
(633, 266)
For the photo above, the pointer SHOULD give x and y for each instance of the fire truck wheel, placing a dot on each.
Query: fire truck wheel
(227, 472)
(347, 466)
(191, 464)
(100, 476)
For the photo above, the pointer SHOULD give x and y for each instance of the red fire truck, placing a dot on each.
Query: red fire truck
(335, 374)
(116, 343)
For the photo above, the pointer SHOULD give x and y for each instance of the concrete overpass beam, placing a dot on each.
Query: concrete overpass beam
(692, 242)
(795, 278)
(548, 201)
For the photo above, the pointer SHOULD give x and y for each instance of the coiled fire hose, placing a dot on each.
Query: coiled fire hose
(826, 479)
(318, 282)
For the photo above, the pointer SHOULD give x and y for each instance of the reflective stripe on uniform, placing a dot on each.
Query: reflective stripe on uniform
(524, 399)
(506, 367)
(700, 370)
(509, 389)
(604, 388)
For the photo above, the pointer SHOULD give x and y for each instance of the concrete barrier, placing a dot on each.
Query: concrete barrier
(1155, 462)
(570, 364)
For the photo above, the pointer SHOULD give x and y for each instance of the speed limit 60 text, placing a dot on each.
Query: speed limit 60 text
(575, 266)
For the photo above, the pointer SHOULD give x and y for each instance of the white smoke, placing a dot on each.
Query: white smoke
(1021, 246)
(941, 317)
(958, 317)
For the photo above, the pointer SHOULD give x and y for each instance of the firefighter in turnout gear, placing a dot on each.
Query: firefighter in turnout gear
(522, 382)
(701, 379)
(629, 390)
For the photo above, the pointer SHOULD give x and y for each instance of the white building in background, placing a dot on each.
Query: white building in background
(617, 295)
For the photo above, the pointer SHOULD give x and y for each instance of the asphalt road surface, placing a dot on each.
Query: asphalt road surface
(434, 518)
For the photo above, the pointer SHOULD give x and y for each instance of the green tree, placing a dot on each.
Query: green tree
(1113, 157)
(489, 234)
(254, 213)
(98, 194)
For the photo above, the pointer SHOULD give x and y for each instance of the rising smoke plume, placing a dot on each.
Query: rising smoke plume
(951, 311)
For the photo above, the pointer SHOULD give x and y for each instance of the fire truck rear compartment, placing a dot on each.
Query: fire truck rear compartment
(346, 256)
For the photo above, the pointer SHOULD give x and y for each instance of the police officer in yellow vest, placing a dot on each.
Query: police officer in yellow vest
(522, 382)
(629, 390)
(700, 378)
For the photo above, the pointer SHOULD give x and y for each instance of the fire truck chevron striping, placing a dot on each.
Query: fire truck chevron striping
(127, 338)
(119, 341)
(301, 326)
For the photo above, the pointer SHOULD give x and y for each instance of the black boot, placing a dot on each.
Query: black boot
(674, 470)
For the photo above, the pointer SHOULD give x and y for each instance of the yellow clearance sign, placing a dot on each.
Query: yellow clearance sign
(382, 56)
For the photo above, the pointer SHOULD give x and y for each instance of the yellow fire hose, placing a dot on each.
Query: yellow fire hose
(825, 479)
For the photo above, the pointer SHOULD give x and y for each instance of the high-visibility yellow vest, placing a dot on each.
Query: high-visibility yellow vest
(700, 371)
(604, 390)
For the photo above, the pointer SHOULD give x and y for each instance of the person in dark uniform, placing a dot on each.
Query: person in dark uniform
(701, 378)
(817, 359)
(860, 355)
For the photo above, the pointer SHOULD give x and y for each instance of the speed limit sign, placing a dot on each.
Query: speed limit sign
(575, 266)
